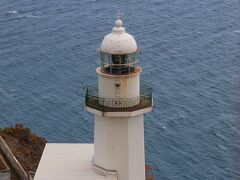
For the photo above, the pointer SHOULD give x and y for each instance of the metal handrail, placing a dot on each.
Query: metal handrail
(92, 100)
(92, 90)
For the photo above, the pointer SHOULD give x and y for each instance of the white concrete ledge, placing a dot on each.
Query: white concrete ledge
(65, 161)
(110, 174)
(119, 114)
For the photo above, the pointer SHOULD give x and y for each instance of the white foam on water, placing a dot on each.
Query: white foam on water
(181, 115)
(237, 31)
(21, 15)
(27, 16)
(220, 136)
(222, 147)
(12, 12)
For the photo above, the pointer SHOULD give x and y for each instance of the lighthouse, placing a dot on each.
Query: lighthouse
(118, 103)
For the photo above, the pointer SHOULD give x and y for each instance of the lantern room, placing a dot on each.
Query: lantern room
(118, 52)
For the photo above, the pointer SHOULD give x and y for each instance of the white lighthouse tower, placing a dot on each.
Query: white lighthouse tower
(118, 104)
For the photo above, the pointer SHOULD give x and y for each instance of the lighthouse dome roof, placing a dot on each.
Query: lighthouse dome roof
(118, 41)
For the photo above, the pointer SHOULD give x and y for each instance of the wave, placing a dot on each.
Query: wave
(237, 31)
(222, 147)
(219, 135)
(12, 12)
(21, 15)
(27, 16)
(232, 127)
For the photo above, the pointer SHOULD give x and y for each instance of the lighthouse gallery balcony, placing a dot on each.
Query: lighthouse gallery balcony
(92, 100)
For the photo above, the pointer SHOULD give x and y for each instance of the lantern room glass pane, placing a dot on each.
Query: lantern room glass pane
(118, 63)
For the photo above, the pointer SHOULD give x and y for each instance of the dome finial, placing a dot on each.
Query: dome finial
(118, 22)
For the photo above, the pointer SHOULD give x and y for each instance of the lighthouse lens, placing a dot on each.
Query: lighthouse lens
(118, 63)
(119, 59)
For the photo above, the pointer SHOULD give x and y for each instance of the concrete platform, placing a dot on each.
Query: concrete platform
(67, 162)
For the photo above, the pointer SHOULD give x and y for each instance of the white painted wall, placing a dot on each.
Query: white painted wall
(119, 145)
(129, 88)
(118, 140)
(136, 148)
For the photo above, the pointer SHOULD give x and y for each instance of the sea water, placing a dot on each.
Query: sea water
(190, 55)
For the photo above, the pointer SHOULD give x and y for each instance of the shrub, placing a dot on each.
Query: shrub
(149, 172)
(18, 132)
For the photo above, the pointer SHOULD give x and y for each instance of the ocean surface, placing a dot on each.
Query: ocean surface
(190, 55)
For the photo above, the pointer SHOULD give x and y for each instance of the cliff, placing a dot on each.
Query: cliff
(25, 145)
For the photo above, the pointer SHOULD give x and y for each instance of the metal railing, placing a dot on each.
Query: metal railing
(92, 100)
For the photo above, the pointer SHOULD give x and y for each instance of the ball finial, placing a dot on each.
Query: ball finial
(118, 23)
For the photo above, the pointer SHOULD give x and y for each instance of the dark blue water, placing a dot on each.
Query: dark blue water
(190, 54)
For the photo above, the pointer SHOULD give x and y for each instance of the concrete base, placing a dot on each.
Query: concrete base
(68, 162)
(119, 146)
